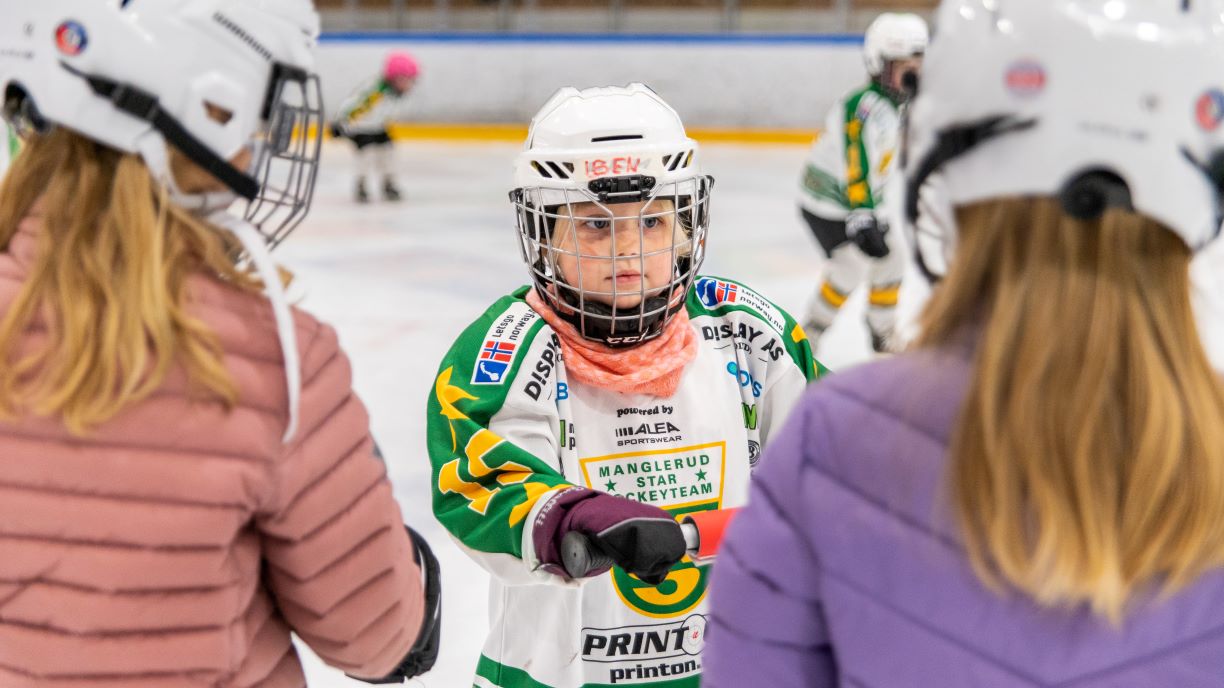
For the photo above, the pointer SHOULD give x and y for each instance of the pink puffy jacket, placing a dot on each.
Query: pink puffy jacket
(178, 545)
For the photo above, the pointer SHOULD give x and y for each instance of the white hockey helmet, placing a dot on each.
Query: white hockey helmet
(1101, 103)
(609, 146)
(135, 75)
(603, 133)
(893, 36)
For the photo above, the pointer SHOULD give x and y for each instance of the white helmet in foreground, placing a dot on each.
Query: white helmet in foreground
(1114, 103)
(893, 36)
(616, 158)
(208, 76)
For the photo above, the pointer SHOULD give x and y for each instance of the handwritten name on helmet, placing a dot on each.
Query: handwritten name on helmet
(612, 166)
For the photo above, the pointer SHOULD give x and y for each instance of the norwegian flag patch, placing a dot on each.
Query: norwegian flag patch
(495, 359)
(714, 293)
(502, 343)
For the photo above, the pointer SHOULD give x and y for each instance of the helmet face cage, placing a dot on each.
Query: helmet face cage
(287, 151)
(904, 92)
(548, 222)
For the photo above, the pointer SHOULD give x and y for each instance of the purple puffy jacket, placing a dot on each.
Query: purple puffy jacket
(845, 569)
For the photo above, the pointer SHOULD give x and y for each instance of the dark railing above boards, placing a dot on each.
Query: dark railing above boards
(615, 16)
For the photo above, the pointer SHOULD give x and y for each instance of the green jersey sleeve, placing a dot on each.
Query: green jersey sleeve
(491, 444)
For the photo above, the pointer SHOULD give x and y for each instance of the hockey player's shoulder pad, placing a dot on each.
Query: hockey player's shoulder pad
(860, 103)
(490, 351)
(718, 296)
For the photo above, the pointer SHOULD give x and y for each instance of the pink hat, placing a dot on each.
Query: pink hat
(400, 64)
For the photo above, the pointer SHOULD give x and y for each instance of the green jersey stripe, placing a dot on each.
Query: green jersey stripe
(503, 676)
(858, 176)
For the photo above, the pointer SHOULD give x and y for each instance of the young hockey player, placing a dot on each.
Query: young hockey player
(616, 393)
(364, 117)
(844, 184)
(186, 477)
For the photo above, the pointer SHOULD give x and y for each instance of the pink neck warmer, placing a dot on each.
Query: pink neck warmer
(653, 368)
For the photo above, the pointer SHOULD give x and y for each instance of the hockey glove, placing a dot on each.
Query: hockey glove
(424, 651)
(643, 540)
(867, 233)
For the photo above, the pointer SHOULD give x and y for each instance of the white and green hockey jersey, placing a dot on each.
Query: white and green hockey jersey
(370, 108)
(507, 427)
(852, 160)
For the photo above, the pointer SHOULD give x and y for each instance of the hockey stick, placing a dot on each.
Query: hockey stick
(703, 531)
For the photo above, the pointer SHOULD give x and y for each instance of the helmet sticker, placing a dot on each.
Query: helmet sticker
(71, 39)
(1209, 110)
(1026, 78)
(613, 166)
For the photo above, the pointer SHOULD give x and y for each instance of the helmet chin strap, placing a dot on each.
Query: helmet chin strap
(599, 322)
(618, 328)
(257, 248)
(152, 147)
(212, 207)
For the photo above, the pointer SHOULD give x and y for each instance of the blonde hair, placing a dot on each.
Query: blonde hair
(108, 286)
(1088, 462)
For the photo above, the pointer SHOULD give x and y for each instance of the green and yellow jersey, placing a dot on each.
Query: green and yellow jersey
(507, 427)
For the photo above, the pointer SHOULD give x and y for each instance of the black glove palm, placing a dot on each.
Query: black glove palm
(867, 233)
(584, 533)
(646, 547)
